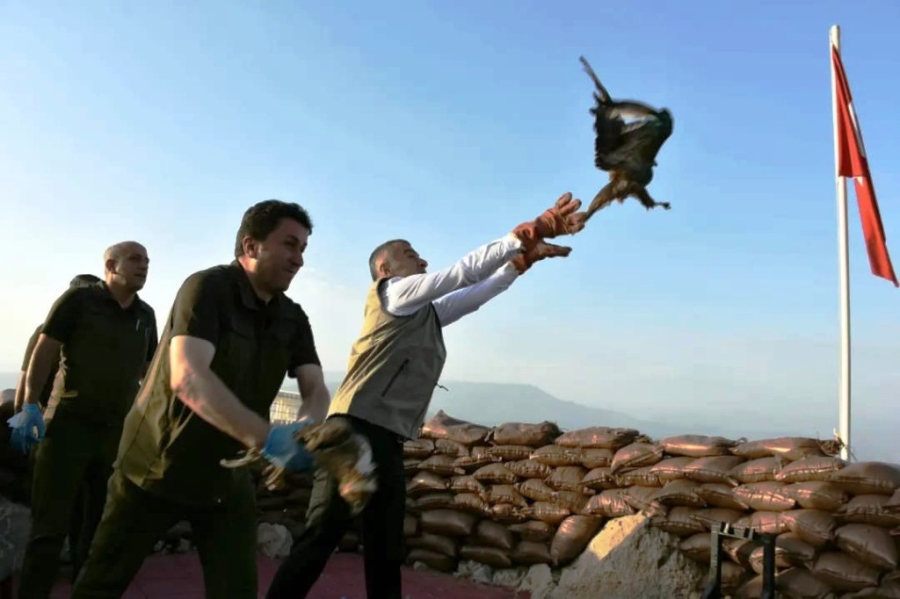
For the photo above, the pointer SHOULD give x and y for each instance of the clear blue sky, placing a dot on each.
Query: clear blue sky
(448, 123)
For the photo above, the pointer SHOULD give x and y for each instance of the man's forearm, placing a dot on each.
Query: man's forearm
(315, 406)
(19, 399)
(38, 373)
(206, 394)
(454, 306)
(409, 294)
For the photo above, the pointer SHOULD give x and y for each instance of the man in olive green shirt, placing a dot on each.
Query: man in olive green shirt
(107, 336)
(231, 338)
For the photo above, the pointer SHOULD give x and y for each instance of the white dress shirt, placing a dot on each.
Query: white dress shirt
(459, 289)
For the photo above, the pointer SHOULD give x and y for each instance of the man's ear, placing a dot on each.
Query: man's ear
(110, 265)
(384, 269)
(251, 248)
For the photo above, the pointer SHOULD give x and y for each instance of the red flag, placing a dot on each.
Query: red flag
(852, 162)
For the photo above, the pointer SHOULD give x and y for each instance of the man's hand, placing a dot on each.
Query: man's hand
(539, 252)
(562, 219)
(28, 428)
(283, 450)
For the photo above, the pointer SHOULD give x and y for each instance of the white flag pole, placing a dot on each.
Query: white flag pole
(843, 263)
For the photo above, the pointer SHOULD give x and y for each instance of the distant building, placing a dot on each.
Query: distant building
(284, 408)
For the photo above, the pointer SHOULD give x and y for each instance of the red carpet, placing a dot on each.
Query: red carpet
(179, 577)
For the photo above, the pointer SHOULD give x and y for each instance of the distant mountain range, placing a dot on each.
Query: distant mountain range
(491, 404)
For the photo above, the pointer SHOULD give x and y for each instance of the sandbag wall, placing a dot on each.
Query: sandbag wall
(523, 494)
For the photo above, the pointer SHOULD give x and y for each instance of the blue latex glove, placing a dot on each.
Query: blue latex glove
(283, 451)
(27, 428)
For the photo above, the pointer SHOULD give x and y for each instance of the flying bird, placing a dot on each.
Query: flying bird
(627, 151)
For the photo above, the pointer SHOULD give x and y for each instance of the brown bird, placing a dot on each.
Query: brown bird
(627, 151)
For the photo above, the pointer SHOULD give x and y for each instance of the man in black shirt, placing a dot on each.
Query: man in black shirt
(230, 339)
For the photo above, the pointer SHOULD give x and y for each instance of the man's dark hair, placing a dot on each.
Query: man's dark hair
(376, 255)
(83, 281)
(264, 217)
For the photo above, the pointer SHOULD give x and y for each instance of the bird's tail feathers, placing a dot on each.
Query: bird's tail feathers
(604, 95)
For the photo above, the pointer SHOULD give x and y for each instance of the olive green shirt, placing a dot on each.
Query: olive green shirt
(105, 348)
(166, 448)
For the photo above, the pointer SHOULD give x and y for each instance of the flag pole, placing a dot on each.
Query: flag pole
(843, 263)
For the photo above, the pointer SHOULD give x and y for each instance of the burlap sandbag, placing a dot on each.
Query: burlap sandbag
(599, 479)
(893, 504)
(571, 500)
(870, 544)
(511, 452)
(794, 551)
(696, 446)
(817, 495)
(528, 553)
(764, 522)
(441, 464)
(759, 470)
(641, 499)
(602, 437)
(472, 503)
(567, 478)
(711, 517)
(507, 494)
(643, 477)
(868, 478)
(844, 573)
(418, 448)
(596, 458)
(423, 482)
(433, 501)
(697, 547)
(450, 523)
(536, 490)
(411, 465)
(680, 492)
(467, 484)
(493, 534)
(432, 542)
(888, 589)
(720, 495)
(679, 521)
(490, 556)
(432, 559)
(479, 456)
(810, 468)
(572, 537)
(519, 433)
(636, 455)
(556, 455)
(546, 512)
(451, 448)
(816, 527)
(800, 584)
(789, 448)
(495, 474)
(534, 530)
(868, 509)
(715, 469)
(610, 503)
(508, 514)
(766, 497)
(670, 469)
(733, 576)
(529, 469)
(443, 426)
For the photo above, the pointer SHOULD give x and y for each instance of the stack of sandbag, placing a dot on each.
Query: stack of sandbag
(833, 519)
(504, 497)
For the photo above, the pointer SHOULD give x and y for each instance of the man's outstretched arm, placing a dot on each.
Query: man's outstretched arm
(454, 306)
(406, 295)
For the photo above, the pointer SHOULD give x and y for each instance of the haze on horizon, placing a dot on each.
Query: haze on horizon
(449, 124)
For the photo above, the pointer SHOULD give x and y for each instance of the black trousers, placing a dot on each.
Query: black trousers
(328, 519)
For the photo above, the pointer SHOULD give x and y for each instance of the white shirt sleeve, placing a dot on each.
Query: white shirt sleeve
(457, 304)
(402, 296)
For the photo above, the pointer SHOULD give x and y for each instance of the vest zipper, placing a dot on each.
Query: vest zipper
(394, 378)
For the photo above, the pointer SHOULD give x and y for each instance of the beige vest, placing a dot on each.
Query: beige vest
(394, 367)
